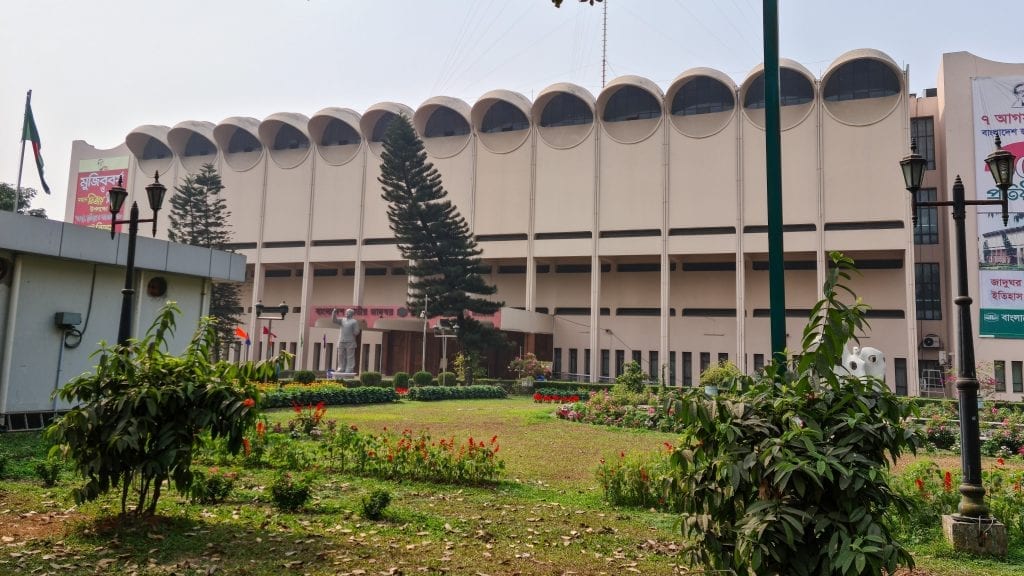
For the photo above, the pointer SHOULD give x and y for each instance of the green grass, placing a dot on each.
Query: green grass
(546, 517)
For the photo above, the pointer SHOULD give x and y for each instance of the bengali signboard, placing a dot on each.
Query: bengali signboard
(999, 111)
(369, 315)
(95, 177)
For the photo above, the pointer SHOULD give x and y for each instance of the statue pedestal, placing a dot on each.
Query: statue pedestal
(985, 536)
(334, 375)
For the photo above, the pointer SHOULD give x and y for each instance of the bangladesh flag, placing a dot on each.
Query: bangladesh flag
(30, 134)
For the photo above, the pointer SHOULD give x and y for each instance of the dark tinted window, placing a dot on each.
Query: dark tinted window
(927, 229)
(702, 95)
(504, 117)
(339, 133)
(155, 150)
(198, 145)
(445, 122)
(631, 103)
(861, 79)
(565, 110)
(242, 141)
(382, 126)
(289, 138)
(923, 130)
(927, 287)
(794, 89)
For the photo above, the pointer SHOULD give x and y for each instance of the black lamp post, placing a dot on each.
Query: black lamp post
(270, 313)
(118, 195)
(1000, 164)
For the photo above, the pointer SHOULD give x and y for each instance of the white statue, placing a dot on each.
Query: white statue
(861, 362)
(346, 340)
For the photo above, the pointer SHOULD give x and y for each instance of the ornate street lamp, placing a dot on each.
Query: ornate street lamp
(117, 195)
(1000, 163)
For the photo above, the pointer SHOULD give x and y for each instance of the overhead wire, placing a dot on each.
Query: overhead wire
(473, 40)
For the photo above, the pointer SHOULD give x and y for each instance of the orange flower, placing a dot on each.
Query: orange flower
(249, 403)
(260, 428)
(1000, 462)
(246, 446)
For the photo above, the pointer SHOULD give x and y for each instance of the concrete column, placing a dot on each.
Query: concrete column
(531, 263)
(666, 268)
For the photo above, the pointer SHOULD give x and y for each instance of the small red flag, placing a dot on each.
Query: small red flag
(241, 333)
(267, 331)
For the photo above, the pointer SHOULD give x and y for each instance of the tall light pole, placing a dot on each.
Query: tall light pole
(423, 315)
(117, 195)
(1000, 164)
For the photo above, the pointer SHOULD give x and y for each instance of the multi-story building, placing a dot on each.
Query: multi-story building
(627, 226)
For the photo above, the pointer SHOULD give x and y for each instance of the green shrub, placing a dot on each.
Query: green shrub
(401, 379)
(3, 464)
(632, 377)
(720, 375)
(370, 378)
(329, 394)
(212, 488)
(304, 376)
(138, 416)
(289, 493)
(446, 379)
(787, 474)
(374, 504)
(430, 393)
(641, 480)
(422, 378)
(48, 470)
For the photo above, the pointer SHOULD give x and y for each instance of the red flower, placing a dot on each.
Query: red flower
(920, 484)
(947, 482)
(246, 446)
(669, 446)
(1000, 462)
(296, 407)
(260, 428)
(496, 448)
(537, 397)
(622, 454)
(494, 439)
(643, 475)
(249, 403)
(353, 428)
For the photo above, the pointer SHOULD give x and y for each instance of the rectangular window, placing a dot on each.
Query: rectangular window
(329, 356)
(316, 355)
(723, 357)
(900, 367)
(378, 358)
(999, 373)
(556, 365)
(1017, 368)
(672, 368)
(638, 356)
(586, 363)
(927, 229)
(687, 368)
(364, 362)
(605, 361)
(923, 129)
(620, 361)
(705, 361)
(928, 291)
(574, 364)
(758, 362)
(652, 361)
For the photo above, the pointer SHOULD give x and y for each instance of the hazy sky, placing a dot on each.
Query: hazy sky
(99, 68)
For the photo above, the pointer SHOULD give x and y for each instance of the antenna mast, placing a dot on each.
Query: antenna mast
(604, 42)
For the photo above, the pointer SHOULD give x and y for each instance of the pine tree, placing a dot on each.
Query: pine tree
(199, 216)
(444, 260)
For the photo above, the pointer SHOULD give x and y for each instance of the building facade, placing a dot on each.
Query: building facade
(630, 225)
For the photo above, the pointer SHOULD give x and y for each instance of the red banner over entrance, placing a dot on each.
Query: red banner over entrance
(95, 178)
(369, 315)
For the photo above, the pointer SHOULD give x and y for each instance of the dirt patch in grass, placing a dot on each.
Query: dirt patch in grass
(19, 524)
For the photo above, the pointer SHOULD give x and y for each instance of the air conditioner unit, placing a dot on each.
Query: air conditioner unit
(931, 341)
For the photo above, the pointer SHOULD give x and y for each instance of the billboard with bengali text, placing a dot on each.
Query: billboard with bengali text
(999, 111)
(95, 177)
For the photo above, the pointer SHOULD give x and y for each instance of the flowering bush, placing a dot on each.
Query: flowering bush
(645, 410)
(643, 480)
(307, 418)
(941, 433)
(549, 395)
(529, 367)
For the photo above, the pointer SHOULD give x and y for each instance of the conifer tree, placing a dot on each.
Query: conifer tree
(444, 260)
(199, 217)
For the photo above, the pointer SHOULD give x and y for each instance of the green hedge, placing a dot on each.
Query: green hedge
(569, 386)
(584, 395)
(428, 393)
(922, 402)
(329, 394)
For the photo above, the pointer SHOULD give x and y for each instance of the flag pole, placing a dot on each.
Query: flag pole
(21, 163)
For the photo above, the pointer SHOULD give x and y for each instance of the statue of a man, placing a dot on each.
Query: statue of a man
(346, 340)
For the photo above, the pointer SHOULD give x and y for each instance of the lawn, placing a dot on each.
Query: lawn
(546, 517)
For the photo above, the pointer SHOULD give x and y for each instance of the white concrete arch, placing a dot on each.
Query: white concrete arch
(792, 113)
(335, 132)
(501, 119)
(707, 105)
(193, 143)
(636, 104)
(567, 126)
(238, 139)
(375, 121)
(443, 123)
(148, 143)
(862, 87)
(286, 136)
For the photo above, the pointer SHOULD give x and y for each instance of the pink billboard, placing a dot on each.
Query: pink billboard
(95, 178)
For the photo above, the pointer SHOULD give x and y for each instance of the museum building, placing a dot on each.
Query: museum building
(630, 225)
